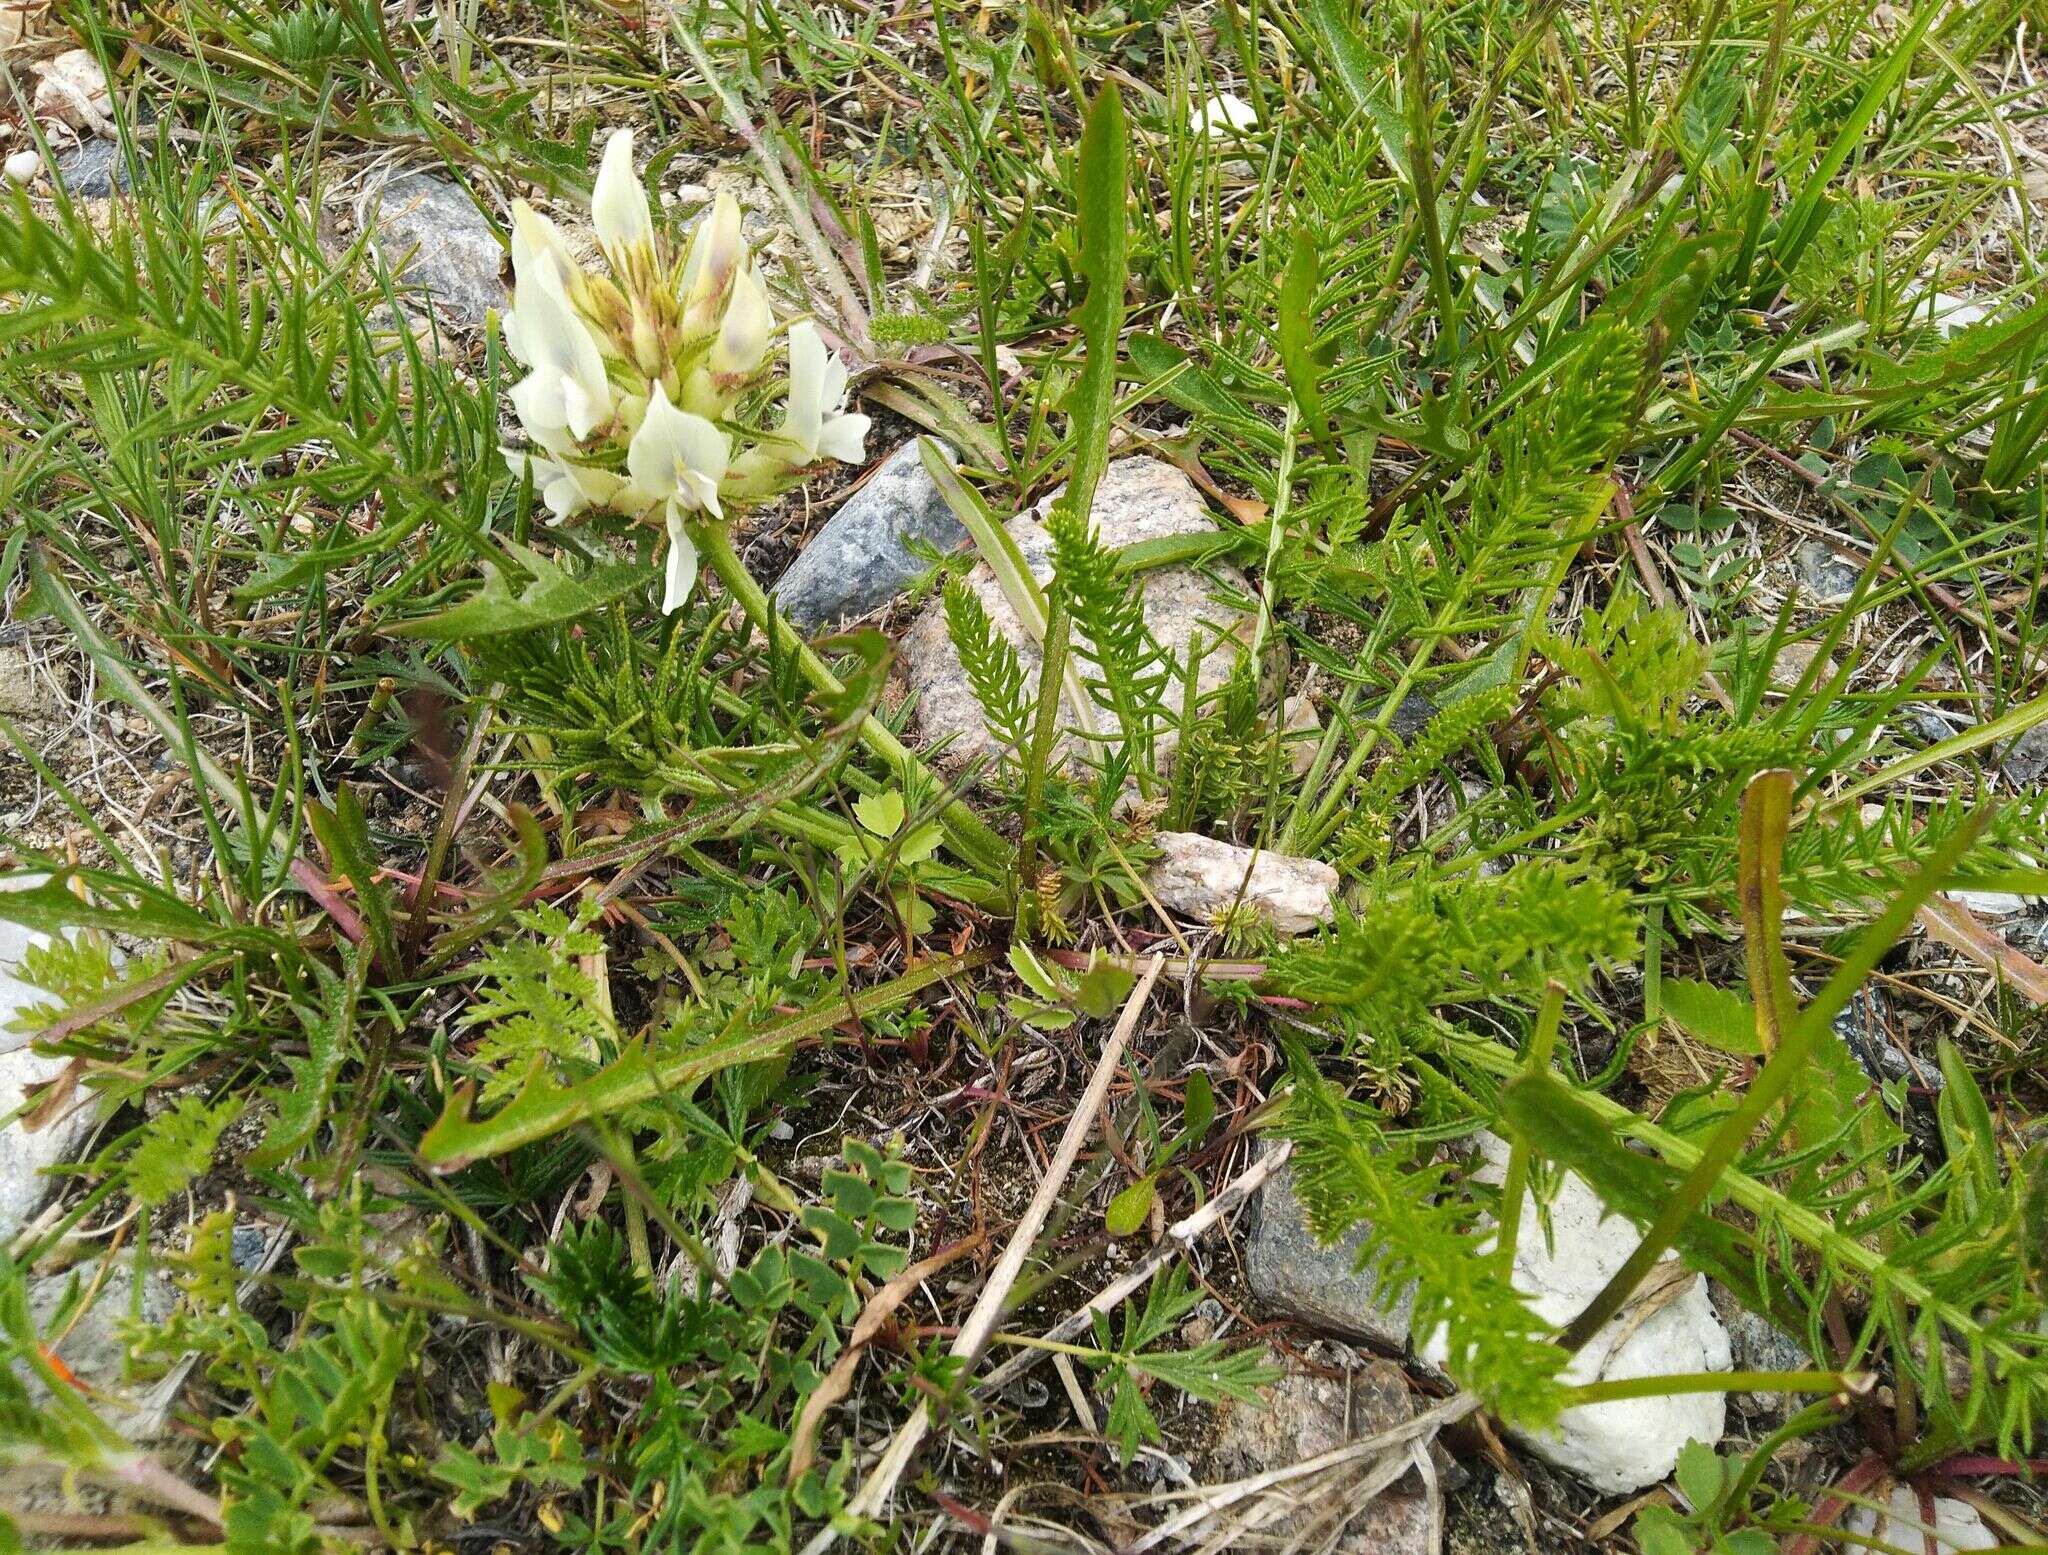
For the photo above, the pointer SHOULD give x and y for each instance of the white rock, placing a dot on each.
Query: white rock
(1956, 1524)
(1301, 732)
(26, 1156)
(1137, 499)
(23, 166)
(73, 90)
(1629, 1443)
(1792, 662)
(1202, 879)
(1223, 114)
(1990, 904)
(1950, 312)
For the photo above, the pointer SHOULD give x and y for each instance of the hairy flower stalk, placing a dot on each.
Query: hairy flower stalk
(649, 394)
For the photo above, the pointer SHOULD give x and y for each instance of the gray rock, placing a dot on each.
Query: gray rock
(90, 1345)
(1756, 1344)
(1865, 1026)
(1928, 721)
(1137, 499)
(1824, 577)
(1869, 1028)
(1294, 1275)
(25, 1155)
(1411, 717)
(2029, 935)
(860, 560)
(246, 1246)
(2025, 757)
(1202, 879)
(1304, 1415)
(433, 237)
(93, 169)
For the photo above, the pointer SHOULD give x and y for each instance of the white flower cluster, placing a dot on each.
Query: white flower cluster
(635, 379)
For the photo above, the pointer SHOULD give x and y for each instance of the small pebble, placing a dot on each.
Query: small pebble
(23, 166)
(246, 1245)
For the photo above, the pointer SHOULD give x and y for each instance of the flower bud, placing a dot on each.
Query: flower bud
(618, 208)
(715, 255)
(743, 337)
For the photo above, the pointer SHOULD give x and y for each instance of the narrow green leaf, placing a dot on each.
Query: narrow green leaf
(1362, 71)
(1562, 1128)
(1104, 198)
(345, 834)
(52, 907)
(1790, 1063)
(1198, 1106)
(1192, 388)
(543, 1107)
(2033, 1174)
(1802, 223)
(1296, 332)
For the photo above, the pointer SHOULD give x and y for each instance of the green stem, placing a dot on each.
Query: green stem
(970, 837)
(1610, 1389)
(1788, 1065)
(1535, 1060)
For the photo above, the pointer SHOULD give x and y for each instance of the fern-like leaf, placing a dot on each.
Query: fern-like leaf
(1110, 631)
(992, 665)
(177, 1145)
(1423, 1238)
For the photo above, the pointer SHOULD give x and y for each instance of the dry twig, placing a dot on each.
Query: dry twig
(974, 1334)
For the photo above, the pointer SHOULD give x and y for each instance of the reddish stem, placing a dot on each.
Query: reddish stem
(1967, 1466)
(1869, 1470)
(317, 886)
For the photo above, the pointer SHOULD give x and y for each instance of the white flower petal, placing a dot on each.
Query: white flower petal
(562, 492)
(567, 387)
(803, 413)
(680, 574)
(703, 490)
(515, 338)
(618, 207)
(565, 486)
(538, 248)
(676, 456)
(832, 385)
(845, 438)
(716, 250)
